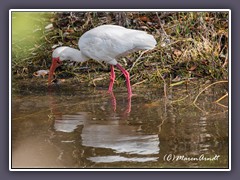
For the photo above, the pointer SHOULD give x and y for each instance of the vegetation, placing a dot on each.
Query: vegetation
(191, 45)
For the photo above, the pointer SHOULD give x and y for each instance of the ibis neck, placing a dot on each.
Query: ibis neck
(77, 55)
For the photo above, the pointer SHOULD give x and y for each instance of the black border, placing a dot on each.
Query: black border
(94, 4)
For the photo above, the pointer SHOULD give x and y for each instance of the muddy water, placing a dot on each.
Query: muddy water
(88, 128)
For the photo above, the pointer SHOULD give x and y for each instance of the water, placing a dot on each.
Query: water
(87, 128)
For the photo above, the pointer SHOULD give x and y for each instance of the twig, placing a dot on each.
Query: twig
(97, 79)
(217, 101)
(159, 21)
(179, 99)
(221, 105)
(221, 98)
(194, 102)
(137, 60)
(164, 84)
(139, 82)
(205, 112)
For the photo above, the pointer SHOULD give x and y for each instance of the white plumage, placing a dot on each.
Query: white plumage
(105, 43)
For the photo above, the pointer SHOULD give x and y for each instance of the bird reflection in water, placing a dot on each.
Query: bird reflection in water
(114, 103)
(112, 134)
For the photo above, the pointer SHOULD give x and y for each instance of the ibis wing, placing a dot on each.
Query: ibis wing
(108, 42)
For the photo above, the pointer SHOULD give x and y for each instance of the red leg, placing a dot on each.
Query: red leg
(112, 79)
(129, 106)
(114, 102)
(126, 74)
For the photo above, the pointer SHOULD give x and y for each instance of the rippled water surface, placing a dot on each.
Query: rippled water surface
(91, 129)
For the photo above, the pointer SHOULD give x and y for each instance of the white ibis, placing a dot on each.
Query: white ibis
(105, 43)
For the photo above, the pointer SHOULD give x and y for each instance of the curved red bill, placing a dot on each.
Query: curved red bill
(55, 64)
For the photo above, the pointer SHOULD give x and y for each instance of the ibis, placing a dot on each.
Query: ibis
(106, 43)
